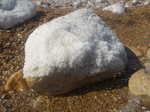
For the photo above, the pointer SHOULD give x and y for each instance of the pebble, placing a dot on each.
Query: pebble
(86, 3)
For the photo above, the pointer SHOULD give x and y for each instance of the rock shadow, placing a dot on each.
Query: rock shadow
(121, 79)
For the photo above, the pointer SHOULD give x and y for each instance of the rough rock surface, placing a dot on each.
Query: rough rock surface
(72, 50)
(7, 4)
(13, 12)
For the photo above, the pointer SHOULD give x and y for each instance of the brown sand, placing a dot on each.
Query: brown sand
(132, 28)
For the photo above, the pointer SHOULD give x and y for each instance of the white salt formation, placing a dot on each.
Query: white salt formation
(13, 12)
(146, 2)
(118, 8)
(71, 51)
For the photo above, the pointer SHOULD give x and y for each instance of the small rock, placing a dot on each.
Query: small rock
(145, 100)
(139, 83)
(139, 86)
(8, 105)
(118, 8)
(128, 4)
(135, 1)
(5, 96)
(45, 4)
(147, 2)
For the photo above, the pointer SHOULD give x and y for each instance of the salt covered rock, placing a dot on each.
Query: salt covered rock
(13, 12)
(135, 1)
(71, 51)
(128, 4)
(118, 8)
(147, 2)
(7, 4)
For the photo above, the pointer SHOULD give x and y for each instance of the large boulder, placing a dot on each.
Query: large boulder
(13, 12)
(71, 51)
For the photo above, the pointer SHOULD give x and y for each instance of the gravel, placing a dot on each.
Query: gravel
(132, 28)
(87, 3)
